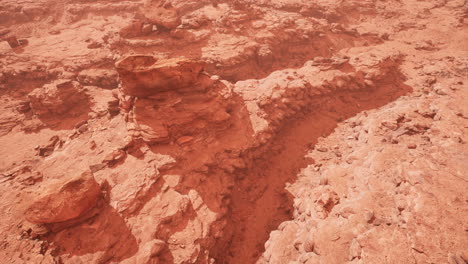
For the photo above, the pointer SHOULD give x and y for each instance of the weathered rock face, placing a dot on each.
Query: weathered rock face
(99, 77)
(161, 12)
(169, 13)
(172, 98)
(143, 76)
(176, 116)
(59, 98)
(67, 202)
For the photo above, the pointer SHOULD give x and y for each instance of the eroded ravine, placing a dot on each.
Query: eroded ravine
(225, 188)
(243, 180)
(230, 180)
(259, 199)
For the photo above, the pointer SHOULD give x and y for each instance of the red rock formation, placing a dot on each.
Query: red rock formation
(279, 131)
(161, 13)
(174, 98)
(143, 76)
(59, 98)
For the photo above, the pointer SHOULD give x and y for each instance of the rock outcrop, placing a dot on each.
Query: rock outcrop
(162, 13)
(59, 98)
(172, 99)
(144, 76)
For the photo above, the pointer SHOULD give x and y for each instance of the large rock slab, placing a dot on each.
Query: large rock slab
(64, 203)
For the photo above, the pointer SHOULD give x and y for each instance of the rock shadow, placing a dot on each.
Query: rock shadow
(105, 236)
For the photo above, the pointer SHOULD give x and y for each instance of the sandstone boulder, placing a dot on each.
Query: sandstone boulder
(67, 202)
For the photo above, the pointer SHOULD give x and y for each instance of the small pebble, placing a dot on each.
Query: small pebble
(412, 146)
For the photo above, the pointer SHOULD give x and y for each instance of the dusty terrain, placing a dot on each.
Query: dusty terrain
(210, 131)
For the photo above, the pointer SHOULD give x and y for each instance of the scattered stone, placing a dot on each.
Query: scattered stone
(4, 31)
(322, 149)
(47, 150)
(146, 29)
(13, 42)
(323, 180)
(114, 157)
(94, 45)
(369, 216)
(354, 250)
(172, 180)
(24, 107)
(113, 107)
(97, 167)
(309, 244)
(346, 212)
(30, 178)
(456, 259)
(158, 247)
(184, 140)
(412, 146)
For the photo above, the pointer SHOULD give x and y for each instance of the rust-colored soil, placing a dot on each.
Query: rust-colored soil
(233, 132)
